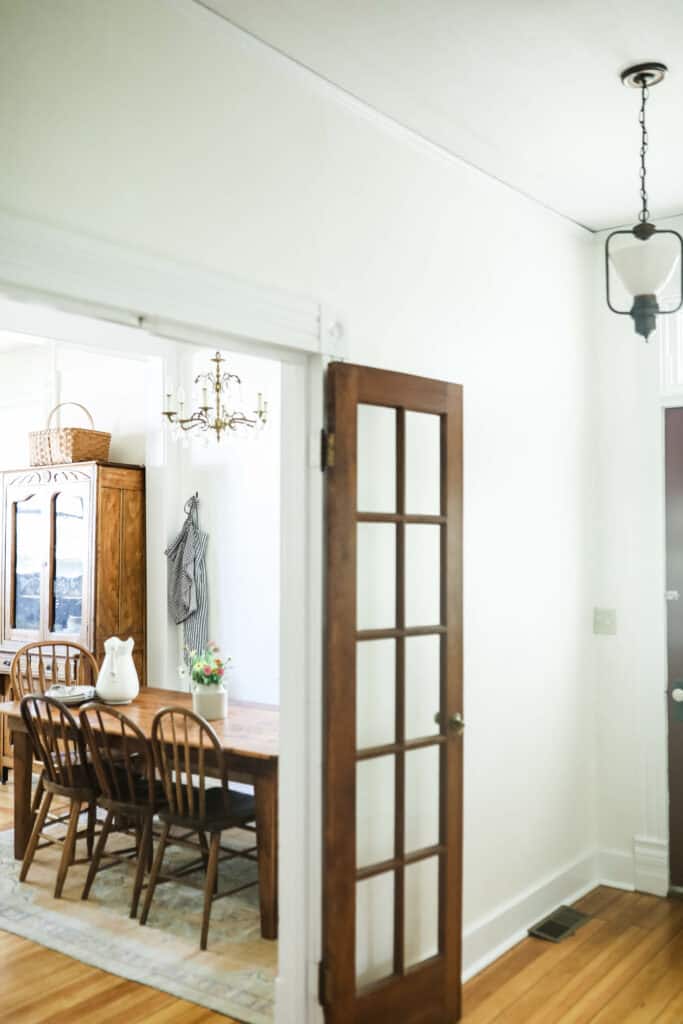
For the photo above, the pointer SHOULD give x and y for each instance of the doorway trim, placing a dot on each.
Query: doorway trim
(85, 277)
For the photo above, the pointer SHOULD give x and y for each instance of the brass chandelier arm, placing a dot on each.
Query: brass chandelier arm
(211, 414)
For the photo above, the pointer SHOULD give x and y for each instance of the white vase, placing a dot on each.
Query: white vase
(117, 682)
(211, 702)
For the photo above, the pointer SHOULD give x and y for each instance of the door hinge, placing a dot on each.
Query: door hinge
(324, 984)
(327, 449)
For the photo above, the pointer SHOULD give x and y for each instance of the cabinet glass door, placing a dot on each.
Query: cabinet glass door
(69, 558)
(27, 554)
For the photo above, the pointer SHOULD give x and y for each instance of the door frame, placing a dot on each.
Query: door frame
(132, 295)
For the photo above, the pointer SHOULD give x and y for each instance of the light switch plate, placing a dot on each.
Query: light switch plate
(605, 621)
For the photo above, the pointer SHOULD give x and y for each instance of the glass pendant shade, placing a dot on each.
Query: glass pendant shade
(644, 275)
(645, 268)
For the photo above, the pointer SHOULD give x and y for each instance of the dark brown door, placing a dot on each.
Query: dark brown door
(393, 705)
(674, 575)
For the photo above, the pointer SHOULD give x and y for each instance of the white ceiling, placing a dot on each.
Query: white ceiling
(526, 90)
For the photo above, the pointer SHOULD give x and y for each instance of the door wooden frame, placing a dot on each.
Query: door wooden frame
(73, 281)
(429, 992)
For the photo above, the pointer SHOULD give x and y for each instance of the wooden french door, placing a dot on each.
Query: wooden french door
(393, 705)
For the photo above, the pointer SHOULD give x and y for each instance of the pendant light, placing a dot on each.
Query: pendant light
(645, 259)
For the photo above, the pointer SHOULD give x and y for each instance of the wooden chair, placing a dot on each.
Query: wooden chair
(36, 666)
(186, 748)
(58, 744)
(124, 766)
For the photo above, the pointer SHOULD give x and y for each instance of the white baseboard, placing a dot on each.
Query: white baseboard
(651, 865)
(616, 868)
(645, 868)
(489, 937)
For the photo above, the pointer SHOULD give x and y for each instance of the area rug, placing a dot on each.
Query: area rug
(235, 976)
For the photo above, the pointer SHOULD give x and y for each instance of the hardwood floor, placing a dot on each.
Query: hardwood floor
(625, 966)
(71, 991)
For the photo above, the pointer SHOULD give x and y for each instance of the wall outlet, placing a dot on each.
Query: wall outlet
(605, 621)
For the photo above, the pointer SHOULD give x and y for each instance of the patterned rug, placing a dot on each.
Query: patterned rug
(234, 976)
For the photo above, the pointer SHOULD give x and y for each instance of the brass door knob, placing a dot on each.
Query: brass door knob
(456, 723)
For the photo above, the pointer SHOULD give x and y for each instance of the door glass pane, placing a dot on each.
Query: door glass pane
(375, 692)
(376, 459)
(374, 928)
(423, 464)
(376, 576)
(422, 785)
(374, 810)
(423, 685)
(71, 537)
(28, 548)
(421, 898)
(423, 575)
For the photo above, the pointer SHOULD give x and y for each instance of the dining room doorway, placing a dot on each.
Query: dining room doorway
(256, 510)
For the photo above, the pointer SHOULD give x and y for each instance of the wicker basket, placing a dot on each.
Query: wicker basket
(56, 445)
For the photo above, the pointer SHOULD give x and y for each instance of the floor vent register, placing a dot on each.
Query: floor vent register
(559, 925)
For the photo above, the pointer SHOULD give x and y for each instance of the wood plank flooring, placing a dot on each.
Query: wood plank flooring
(624, 967)
(39, 986)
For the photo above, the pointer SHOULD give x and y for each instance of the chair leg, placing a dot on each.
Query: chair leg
(149, 851)
(37, 794)
(35, 835)
(156, 868)
(211, 875)
(99, 850)
(68, 848)
(141, 864)
(90, 834)
(204, 847)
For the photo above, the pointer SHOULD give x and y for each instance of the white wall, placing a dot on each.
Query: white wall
(27, 392)
(38, 374)
(157, 125)
(630, 577)
(238, 482)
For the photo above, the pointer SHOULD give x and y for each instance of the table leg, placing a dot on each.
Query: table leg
(265, 792)
(23, 818)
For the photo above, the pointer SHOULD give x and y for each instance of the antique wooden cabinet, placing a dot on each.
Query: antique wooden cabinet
(73, 559)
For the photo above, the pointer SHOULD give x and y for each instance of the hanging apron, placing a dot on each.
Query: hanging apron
(188, 597)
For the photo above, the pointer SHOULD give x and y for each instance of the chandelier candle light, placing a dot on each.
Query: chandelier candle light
(644, 257)
(216, 411)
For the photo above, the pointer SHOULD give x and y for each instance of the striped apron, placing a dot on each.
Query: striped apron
(188, 594)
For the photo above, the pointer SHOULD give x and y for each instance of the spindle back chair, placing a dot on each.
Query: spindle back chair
(122, 759)
(58, 744)
(186, 748)
(38, 666)
(187, 753)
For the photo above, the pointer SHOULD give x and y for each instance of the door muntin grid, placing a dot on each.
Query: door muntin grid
(409, 857)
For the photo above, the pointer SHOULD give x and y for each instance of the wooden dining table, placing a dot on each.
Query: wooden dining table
(249, 737)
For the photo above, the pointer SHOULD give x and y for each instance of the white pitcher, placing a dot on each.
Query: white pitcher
(117, 682)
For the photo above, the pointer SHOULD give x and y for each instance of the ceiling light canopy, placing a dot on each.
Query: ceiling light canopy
(648, 262)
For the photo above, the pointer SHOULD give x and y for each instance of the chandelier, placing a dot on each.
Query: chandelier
(220, 390)
(644, 257)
